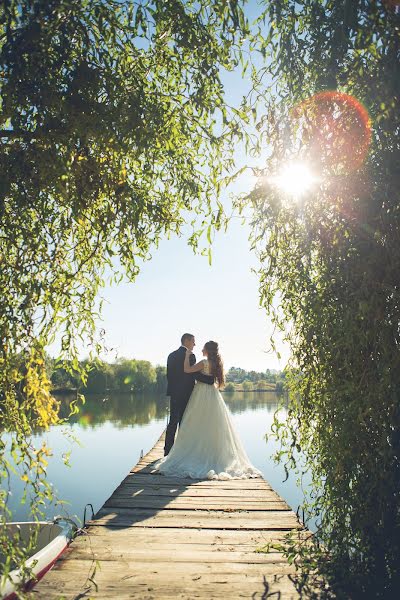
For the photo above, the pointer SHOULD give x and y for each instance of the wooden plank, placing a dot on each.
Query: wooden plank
(197, 519)
(170, 495)
(273, 587)
(159, 582)
(171, 536)
(143, 501)
(192, 492)
(158, 479)
(97, 550)
(169, 570)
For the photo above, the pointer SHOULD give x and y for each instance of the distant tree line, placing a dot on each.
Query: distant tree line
(238, 375)
(133, 375)
(124, 375)
(238, 379)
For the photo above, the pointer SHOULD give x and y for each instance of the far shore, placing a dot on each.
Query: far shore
(270, 389)
(74, 390)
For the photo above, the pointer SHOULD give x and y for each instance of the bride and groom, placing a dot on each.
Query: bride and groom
(207, 445)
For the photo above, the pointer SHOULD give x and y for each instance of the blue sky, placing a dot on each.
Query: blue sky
(178, 291)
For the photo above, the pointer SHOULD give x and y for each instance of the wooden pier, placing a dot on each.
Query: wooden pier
(160, 537)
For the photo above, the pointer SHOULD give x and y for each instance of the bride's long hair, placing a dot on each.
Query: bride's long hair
(217, 367)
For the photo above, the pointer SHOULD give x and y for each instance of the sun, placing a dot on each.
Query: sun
(294, 179)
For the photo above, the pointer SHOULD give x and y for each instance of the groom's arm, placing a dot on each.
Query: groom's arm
(200, 376)
(204, 378)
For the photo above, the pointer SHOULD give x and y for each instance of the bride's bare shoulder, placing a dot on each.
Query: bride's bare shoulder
(205, 366)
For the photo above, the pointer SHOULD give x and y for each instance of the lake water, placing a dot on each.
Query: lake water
(113, 431)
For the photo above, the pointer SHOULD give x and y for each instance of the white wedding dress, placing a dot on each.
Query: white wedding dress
(207, 445)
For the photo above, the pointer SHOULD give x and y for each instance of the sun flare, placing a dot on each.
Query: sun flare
(294, 179)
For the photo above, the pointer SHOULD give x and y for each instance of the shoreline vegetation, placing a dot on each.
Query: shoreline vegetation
(132, 375)
(231, 388)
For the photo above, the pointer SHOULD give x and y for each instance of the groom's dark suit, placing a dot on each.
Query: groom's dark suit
(180, 386)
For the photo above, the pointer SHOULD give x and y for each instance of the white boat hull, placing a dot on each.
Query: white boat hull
(53, 538)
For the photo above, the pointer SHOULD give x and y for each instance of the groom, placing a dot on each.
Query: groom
(180, 386)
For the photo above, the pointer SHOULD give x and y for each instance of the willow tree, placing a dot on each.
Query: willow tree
(326, 226)
(114, 131)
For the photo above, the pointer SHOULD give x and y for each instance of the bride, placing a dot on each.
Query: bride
(207, 445)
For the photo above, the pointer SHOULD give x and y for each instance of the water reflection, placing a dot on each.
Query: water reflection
(120, 409)
(139, 409)
(240, 402)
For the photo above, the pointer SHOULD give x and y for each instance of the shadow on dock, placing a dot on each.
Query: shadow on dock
(141, 496)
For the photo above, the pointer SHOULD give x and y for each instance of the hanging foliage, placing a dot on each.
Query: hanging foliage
(326, 227)
(114, 131)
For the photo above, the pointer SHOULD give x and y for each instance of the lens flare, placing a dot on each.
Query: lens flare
(334, 130)
(294, 179)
